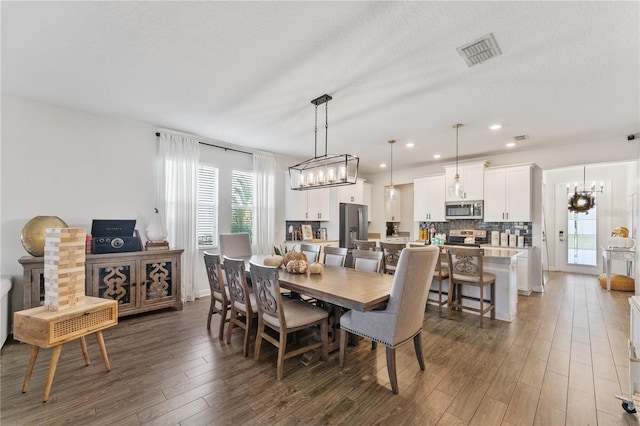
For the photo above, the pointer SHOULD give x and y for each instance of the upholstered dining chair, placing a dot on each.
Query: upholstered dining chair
(312, 251)
(367, 260)
(235, 245)
(364, 245)
(391, 255)
(335, 256)
(243, 303)
(284, 318)
(219, 291)
(402, 319)
(466, 269)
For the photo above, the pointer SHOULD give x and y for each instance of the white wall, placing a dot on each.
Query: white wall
(80, 166)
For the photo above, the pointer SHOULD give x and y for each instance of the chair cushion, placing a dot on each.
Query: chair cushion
(218, 296)
(487, 277)
(296, 314)
(242, 308)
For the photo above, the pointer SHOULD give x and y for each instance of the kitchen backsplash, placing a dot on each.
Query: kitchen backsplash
(524, 228)
(293, 227)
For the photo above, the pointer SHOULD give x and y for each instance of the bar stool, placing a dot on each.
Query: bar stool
(466, 269)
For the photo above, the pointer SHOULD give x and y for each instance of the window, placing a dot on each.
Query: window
(207, 205)
(242, 204)
(581, 239)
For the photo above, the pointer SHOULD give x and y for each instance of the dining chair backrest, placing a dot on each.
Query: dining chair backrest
(266, 287)
(312, 251)
(214, 273)
(367, 260)
(410, 288)
(364, 245)
(391, 255)
(235, 245)
(335, 256)
(237, 282)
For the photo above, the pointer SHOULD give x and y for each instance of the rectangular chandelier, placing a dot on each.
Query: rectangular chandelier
(325, 171)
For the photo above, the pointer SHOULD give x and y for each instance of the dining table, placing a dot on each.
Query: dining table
(337, 289)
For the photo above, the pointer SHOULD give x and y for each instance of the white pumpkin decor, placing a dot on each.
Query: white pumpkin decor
(315, 268)
(156, 231)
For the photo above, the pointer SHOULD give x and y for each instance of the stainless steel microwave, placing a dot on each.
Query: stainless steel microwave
(464, 209)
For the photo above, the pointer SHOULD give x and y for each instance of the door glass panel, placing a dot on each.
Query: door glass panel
(581, 238)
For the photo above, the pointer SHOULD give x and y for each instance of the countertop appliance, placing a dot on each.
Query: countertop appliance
(353, 224)
(464, 209)
(467, 237)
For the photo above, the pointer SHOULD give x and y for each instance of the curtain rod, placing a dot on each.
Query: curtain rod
(218, 146)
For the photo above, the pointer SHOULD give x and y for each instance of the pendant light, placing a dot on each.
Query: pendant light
(326, 170)
(390, 192)
(457, 188)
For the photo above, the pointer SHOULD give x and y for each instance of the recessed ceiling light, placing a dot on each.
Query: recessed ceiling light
(510, 144)
(410, 145)
(436, 156)
(383, 165)
(495, 126)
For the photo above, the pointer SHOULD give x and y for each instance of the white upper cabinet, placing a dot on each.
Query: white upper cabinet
(353, 194)
(429, 199)
(472, 179)
(508, 194)
(309, 205)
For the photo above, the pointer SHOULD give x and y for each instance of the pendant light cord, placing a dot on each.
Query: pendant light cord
(457, 127)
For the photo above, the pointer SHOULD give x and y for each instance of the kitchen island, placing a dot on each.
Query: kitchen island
(504, 263)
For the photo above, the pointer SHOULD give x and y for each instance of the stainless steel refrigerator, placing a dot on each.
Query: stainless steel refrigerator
(353, 224)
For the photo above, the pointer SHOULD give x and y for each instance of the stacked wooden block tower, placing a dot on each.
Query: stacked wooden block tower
(64, 268)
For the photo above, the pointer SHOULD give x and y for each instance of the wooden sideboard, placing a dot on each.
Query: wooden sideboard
(139, 281)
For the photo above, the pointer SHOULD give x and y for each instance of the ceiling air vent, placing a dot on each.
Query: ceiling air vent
(521, 138)
(480, 50)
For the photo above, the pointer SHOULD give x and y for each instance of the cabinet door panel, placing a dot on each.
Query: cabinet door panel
(518, 190)
(435, 198)
(473, 179)
(495, 196)
(420, 194)
(318, 204)
(116, 281)
(158, 281)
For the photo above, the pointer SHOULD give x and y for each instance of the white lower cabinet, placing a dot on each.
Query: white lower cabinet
(523, 279)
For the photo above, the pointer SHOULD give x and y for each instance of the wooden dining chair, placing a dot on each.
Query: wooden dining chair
(284, 318)
(367, 260)
(335, 256)
(391, 255)
(403, 317)
(243, 302)
(466, 269)
(235, 245)
(219, 291)
(312, 251)
(364, 245)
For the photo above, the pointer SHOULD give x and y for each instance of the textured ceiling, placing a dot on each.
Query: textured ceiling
(245, 72)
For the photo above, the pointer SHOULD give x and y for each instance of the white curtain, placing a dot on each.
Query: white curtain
(264, 168)
(176, 193)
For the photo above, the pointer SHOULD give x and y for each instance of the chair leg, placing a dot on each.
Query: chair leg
(481, 305)
(324, 330)
(374, 345)
(391, 368)
(222, 321)
(450, 298)
(343, 346)
(281, 351)
(439, 297)
(417, 344)
(256, 349)
(232, 316)
(493, 300)
(210, 312)
(247, 336)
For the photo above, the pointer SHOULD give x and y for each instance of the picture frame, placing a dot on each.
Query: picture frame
(307, 232)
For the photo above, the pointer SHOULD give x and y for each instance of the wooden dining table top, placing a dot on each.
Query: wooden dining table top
(340, 286)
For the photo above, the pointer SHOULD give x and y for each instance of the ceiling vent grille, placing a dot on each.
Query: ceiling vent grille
(521, 138)
(480, 50)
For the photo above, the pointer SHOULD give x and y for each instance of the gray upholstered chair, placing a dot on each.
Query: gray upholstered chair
(334, 256)
(367, 260)
(235, 245)
(364, 245)
(312, 251)
(243, 303)
(391, 255)
(284, 318)
(403, 317)
(466, 269)
(440, 275)
(219, 291)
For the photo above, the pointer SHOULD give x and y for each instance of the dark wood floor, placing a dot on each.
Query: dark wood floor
(560, 362)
